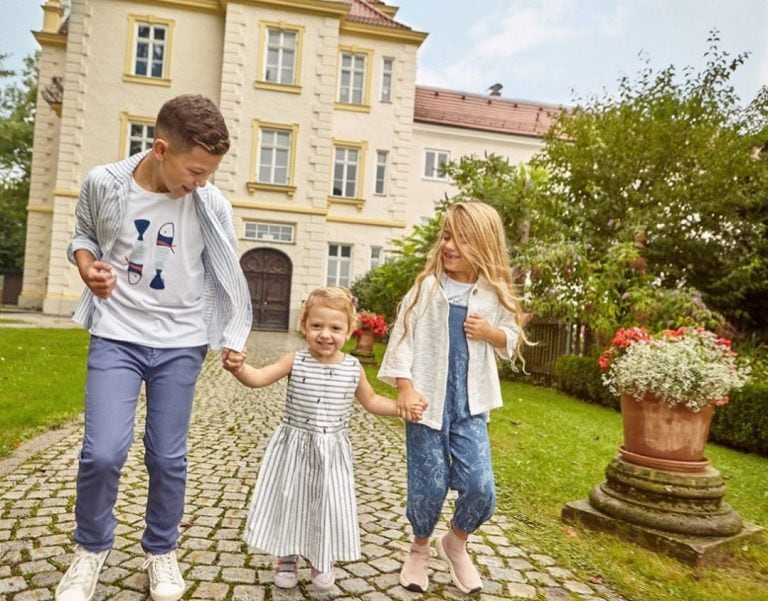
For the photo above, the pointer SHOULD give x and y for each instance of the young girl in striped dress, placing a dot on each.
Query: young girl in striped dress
(304, 501)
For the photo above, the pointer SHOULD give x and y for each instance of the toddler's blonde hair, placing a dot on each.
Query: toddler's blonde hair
(333, 297)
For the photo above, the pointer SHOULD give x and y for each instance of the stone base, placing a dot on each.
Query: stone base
(696, 551)
(365, 357)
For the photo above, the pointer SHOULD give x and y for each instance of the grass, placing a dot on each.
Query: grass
(42, 372)
(549, 449)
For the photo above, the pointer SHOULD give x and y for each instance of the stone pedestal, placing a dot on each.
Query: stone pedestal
(681, 514)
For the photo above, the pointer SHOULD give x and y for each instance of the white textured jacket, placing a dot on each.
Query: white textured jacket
(99, 216)
(422, 355)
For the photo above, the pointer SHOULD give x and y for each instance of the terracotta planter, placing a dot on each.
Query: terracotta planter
(665, 437)
(364, 347)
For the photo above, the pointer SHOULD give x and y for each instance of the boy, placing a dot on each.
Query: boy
(155, 245)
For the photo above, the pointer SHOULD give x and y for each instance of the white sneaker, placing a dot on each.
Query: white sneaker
(79, 582)
(165, 581)
(323, 580)
(287, 571)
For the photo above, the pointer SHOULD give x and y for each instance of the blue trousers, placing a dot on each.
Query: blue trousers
(116, 371)
(457, 457)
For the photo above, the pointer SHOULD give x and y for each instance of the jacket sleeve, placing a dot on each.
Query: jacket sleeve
(507, 323)
(398, 358)
(85, 236)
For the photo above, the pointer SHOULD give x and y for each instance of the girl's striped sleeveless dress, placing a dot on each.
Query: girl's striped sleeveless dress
(304, 500)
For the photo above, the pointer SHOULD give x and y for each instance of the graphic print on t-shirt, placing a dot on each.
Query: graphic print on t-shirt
(136, 258)
(164, 248)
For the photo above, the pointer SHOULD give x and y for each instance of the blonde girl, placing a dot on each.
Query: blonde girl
(459, 315)
(304, 500)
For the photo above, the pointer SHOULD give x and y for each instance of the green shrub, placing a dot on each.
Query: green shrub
(579, 376)
(743, 423)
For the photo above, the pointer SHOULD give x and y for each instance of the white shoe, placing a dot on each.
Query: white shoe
(79, 582)
(165, 581)
(323, 580)
(287, 571)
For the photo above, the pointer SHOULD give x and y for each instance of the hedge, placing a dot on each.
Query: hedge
(741, 424)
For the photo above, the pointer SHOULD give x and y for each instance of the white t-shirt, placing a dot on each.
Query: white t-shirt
(457, 293)
(157, 257)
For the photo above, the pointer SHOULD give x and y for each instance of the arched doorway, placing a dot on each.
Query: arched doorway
(268, 272)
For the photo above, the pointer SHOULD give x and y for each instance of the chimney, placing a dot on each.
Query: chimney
(52, 12)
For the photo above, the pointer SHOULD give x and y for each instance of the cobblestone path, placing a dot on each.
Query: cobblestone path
(231, 425)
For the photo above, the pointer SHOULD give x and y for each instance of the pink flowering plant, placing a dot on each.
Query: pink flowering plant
(689, 366)
(374, 322)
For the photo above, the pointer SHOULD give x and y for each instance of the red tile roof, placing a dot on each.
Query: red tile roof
(487, 113)
(364, 11)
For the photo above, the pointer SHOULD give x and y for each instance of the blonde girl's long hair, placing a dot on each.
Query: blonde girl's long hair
(478, 232)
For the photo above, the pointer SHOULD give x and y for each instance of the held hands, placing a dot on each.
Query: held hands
(411, 405)
(233, 361)
(100, 278)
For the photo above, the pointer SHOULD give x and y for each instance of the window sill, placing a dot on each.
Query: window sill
(151, 81)
(342, 200)
(288, 190)
(277, 87)
(355, 108)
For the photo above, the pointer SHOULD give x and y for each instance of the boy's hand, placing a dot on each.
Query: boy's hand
(232, 360)
(417, 410)
(100, 278)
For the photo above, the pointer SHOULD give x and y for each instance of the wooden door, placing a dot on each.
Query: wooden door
(268, 272)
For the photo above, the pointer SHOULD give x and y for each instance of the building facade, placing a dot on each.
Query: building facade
(335, 150)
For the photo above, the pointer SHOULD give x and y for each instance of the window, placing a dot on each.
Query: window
(149, 50)
(274, 156)
(381, 172)
(376, 256)
(281, 56)
(345, 168)
(434, 160)
(386, 79)
(339, 264)
(352, 79)
(136, 134)
(140, 137)
(269, 232)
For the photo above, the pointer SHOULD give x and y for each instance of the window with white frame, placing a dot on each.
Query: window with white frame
(274, 156)
(150, 50)
(140, 137)
(282, 45)
(339, 265)
(345, 169)
(352, 78)
(434, 161)
(387, 66)
(377, 256)
(269, 232)
(380, 184)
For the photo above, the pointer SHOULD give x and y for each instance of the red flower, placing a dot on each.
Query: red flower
(373, 322)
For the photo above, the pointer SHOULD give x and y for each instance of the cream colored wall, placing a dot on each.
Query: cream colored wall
(459, 142)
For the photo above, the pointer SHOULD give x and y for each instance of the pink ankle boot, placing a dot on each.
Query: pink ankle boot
(414, 575)
(464, 574)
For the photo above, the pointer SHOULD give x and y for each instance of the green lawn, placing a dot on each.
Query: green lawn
(548, 449)
(42, 372)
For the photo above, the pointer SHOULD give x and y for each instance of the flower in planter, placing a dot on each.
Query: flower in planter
(374, 322)
(688, 366)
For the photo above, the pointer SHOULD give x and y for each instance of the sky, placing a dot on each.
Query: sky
(548, 51)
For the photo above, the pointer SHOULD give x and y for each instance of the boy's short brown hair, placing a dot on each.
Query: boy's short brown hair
(192, 119)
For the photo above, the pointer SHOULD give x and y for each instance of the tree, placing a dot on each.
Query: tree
(17, 121)
(672, 168)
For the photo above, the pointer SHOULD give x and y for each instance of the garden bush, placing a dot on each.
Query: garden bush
(579, 376)
(743, 422)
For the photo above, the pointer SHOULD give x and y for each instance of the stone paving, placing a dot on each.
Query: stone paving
(231, 425)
